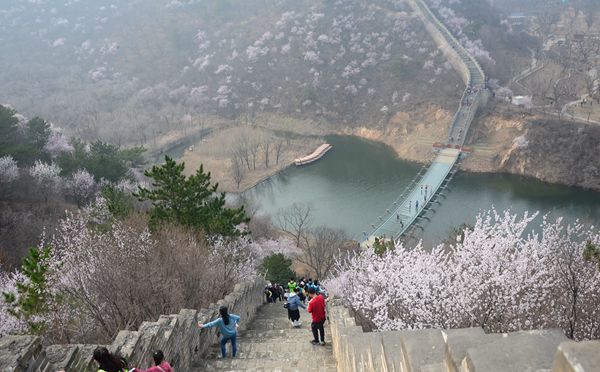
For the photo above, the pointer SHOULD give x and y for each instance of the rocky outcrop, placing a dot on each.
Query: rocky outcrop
(558, 152)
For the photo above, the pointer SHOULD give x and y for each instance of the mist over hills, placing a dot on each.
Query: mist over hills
(122, 70)
(150, 73)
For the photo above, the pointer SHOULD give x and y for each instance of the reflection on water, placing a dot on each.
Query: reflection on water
(357, 181)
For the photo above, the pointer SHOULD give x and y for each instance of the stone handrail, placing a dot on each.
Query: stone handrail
(465, 350)
(176, 335)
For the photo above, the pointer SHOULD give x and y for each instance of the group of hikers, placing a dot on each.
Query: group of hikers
(295, 295)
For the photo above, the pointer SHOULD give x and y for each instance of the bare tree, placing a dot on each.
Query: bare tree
(562, 89)
(237, 169)
(265, 146)
(288, 138)
(296, 221)
(319, 247)
(574, 284)
(254, 148)
(278, 148)
(323, 247)
(241, 150)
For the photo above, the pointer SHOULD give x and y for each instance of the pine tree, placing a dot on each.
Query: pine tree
(32, 296)
(277, 268)
(189, 201)
(592, 253)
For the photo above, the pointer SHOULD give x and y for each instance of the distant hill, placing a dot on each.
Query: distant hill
(122, 70)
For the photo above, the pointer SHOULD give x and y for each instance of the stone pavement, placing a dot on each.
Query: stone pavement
(269, 343)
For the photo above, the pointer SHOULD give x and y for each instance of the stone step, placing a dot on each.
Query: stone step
(283, 324)
(270, 343)
(281, 357)
(308, 364)
(288, 332)
(257, 322)
(279, 347)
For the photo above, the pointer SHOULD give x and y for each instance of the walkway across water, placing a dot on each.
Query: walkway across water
(414, 202)
(410, 205)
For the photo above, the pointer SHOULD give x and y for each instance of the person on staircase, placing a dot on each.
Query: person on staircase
(269, 293)
(318, 289)
(227, 324)
(294, 305)
(160, 364)
(302, 293)
(280, 291)
(109, 362)
(316, 308)
(291, 285)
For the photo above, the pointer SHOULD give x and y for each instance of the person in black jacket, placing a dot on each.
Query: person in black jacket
(109, 362)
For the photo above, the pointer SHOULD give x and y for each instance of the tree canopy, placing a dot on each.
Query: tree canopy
(277, 268)
(189, 201)
(31, 297)
(103, 160)
(26, 144)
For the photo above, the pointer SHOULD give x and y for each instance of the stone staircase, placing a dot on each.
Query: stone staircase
(269, 343)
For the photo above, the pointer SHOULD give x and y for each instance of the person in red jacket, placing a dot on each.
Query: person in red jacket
(316, 308)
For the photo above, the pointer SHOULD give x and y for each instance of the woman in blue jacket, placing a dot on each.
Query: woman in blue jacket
(227, 324)
(294, 304)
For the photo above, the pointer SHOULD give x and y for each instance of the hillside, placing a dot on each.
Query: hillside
(129, 74)
(208, 76)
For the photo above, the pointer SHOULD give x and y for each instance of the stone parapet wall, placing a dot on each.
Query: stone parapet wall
(176, 335)
(450, 46)
(466, 350)
(450, 53)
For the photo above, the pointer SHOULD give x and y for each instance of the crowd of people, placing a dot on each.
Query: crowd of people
(277, 292)
(296, 295)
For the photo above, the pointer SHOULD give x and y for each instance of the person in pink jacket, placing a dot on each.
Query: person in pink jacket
(161, 364)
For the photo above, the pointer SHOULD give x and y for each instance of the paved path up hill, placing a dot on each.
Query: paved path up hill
(269, 343)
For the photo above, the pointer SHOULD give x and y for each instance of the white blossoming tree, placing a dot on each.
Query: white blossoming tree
(9, 171)
(58, 143)
(81, 186)
(496, 277)
(8, 323)
(47, 177)
(101, 269)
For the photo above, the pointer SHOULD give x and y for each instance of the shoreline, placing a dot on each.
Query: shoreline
(473, 169)
(263, 179)
(405, 148)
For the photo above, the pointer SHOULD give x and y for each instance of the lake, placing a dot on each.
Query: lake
(356, 181)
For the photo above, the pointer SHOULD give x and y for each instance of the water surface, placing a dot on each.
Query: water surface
(356, 181)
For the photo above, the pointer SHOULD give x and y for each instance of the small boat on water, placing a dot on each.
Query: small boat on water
(316, 155)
